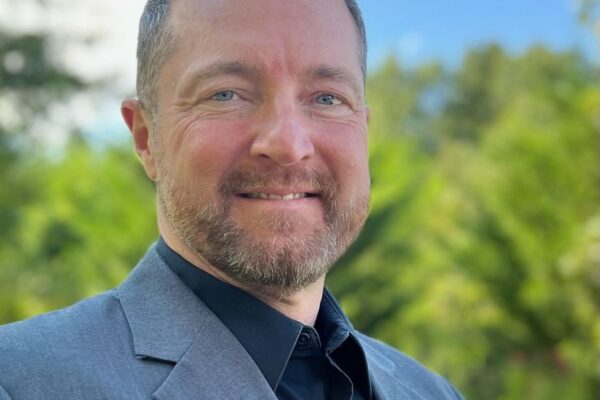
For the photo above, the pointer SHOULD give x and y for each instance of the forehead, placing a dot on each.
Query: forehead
(283, 34)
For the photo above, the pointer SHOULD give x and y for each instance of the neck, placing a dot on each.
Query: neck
(302, 305)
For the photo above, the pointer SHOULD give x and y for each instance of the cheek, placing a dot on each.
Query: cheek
(208, 149)
(345, 152)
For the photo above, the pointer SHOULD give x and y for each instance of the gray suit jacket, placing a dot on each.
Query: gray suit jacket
(152, 338)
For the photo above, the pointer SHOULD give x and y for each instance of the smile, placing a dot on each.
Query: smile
(272, 196)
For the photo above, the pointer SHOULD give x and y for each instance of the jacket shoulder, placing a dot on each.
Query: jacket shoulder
(392, 367)
(61, 328)
(52, 350)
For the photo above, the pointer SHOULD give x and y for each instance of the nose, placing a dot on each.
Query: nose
(283, 136)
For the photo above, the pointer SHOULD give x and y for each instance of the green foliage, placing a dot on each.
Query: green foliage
(480, 257)
(88, 224)
(481, 260)
(63, 220)
(479, 90)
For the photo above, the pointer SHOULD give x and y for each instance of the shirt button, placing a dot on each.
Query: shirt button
(303, 339)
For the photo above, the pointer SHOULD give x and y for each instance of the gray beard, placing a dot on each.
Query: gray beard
(275, 267)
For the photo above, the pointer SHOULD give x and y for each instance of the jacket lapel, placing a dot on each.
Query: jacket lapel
(215, 367)
(386, 381)
(169, 323)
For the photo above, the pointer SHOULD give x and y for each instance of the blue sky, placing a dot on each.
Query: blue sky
(422, 30)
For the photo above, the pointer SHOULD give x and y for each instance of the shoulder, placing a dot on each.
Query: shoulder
(63, 327)
(66, 341)
(392, 367)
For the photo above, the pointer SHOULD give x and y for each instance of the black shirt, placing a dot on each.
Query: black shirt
(298, 361)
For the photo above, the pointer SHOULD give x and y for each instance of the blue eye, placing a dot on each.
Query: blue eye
(327, 99)
(225, 95)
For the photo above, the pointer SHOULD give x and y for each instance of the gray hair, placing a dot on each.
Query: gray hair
(156, 42)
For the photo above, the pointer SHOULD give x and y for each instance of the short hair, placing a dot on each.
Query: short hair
(156, 42)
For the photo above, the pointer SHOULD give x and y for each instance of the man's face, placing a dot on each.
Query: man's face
(261, 144)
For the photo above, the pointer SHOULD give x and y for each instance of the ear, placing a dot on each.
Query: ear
(139, 124)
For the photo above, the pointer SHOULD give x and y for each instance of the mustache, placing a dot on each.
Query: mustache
(241, 181)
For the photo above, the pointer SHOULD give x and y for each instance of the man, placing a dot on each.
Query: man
(251, 120)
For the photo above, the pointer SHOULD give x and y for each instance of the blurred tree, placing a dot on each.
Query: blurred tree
(476, 97)
(533, 194)
(72, 225)
(589, 10)
(29, 82)
(405, 102)
(91, 220)
(484, 255)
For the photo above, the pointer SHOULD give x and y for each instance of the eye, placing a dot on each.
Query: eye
(225, 95)
(327, 100)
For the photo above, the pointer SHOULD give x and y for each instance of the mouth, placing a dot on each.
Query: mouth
(274, 196)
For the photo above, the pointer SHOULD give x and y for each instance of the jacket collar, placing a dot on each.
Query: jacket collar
(169, 323)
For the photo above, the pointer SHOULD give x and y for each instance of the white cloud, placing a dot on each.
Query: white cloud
(112, 24)
(93, 38)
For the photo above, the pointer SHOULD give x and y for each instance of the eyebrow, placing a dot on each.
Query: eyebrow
(337, 74)
(245, 71)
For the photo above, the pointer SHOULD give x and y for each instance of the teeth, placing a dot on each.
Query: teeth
(268, 196)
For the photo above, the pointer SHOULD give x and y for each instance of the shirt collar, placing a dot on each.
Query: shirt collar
(332, 324)
(268, 336)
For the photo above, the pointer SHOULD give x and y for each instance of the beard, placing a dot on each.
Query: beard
(280, 262)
